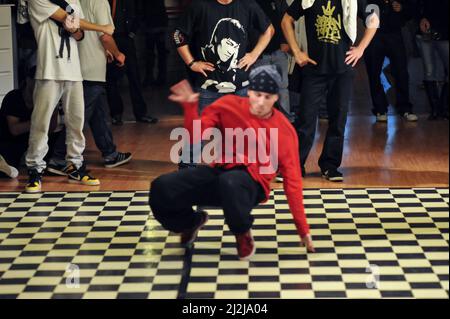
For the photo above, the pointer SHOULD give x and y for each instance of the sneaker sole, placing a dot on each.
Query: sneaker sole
(334, 179)
(56, 172)
(119, 163)
(73, 181)
(34, 191)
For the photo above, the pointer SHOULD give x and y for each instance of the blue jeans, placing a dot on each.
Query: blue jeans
(209, 97)
(434, 54)
(95, 116)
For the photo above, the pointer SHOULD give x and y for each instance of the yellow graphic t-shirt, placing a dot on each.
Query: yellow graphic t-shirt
(329, 25)
(328, 42)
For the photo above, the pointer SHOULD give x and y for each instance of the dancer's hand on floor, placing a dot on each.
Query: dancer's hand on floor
(182, 92)
(308, 243)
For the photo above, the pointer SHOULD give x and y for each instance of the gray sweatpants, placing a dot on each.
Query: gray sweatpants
(47, 94)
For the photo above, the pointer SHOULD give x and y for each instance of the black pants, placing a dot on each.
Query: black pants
(338, 89)
(393, 47)
(127, 46)
(13, 151)
(173, 195)
(156, 44)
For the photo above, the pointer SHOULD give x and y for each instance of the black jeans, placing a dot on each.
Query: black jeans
(338, 89)
(393, 47)
(173, 195)
(156, 43)
(13, 151)
(127, 46)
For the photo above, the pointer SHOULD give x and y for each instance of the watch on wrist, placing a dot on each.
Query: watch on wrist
(192, 63)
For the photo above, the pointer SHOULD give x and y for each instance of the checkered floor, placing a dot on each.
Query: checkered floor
(371, 243)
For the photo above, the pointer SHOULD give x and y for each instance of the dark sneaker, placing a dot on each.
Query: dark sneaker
(333, 175)
(121, 158)
(117, 120)
(57, 169)
(7, 169)
(34, 182)
(188, 236)
(81, 176)
(147, 119)
(245, 245)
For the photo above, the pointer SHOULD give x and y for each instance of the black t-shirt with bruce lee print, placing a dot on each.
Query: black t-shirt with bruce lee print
(219, 34)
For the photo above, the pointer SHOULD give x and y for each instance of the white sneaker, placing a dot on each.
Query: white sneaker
(410, 117)
(12, 172)
(382, 117)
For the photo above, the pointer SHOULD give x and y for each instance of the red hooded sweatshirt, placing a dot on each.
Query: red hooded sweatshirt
(233, 112)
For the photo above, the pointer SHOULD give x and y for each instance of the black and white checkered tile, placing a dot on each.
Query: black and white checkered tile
(371, 243)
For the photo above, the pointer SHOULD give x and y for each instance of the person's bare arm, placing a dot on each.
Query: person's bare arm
(198, 66)
(357, 52)
(78, 35)
(250, 58)
(301, 58)
(110, 45)
(60, 15)
(16, 127)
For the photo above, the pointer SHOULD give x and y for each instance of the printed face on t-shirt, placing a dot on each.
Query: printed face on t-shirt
(223, 49)
(227, 49)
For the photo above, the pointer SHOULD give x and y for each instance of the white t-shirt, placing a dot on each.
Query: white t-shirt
(92, 54)
(50, 64)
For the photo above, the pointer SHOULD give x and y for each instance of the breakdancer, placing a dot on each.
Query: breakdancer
(238, 180)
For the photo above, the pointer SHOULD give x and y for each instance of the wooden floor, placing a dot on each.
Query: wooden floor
(397, 154)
